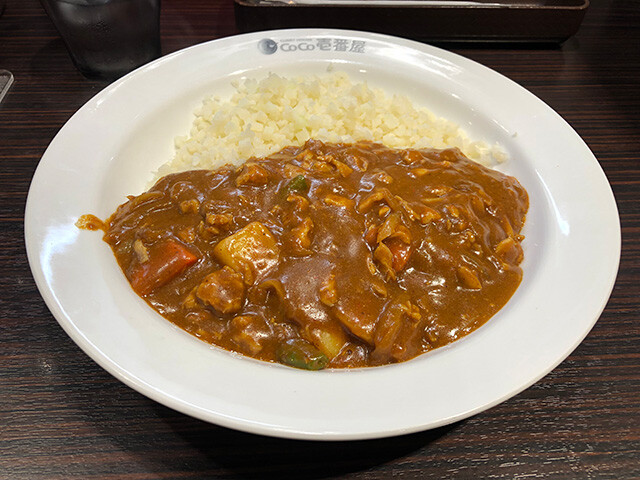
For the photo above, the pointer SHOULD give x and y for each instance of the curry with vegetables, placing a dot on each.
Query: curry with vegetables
(326, 255)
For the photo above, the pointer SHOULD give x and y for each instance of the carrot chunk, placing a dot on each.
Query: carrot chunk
(166, 261)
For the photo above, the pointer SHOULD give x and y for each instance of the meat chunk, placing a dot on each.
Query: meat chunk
(300, 203)
(378, 195)
(250, 333)
(384, 258)
(341, 167)
(141, 251)
(301, 237)
(468, 278)
(252, 174)
(328, 294)
(222, 290)
(218, 222)
(357, 307)
(394, 245)
(339, 201)
(509, 251)
(399, 327)
(190, 206)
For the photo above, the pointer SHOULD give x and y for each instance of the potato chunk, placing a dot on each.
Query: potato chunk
(252, 251)
(223, 290)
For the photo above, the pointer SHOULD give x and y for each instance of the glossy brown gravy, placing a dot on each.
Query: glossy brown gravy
(327, 255)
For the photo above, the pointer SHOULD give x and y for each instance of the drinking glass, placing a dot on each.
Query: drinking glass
(107, 38)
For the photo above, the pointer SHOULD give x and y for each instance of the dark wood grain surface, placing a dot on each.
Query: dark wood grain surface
(62, 416)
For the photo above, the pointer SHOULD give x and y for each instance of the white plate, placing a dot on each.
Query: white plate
(109, 148)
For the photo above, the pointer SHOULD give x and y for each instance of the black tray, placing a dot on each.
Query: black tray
(451, 21)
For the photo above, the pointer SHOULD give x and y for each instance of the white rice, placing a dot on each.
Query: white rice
(262, 117)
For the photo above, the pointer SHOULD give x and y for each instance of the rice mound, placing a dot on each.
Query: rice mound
(264, 116)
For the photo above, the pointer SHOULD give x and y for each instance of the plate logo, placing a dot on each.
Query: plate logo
(268, 46)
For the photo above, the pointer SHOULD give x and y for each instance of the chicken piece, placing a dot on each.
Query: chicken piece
(407, 208)
(328, 294)
(187, 235)
(378, 195)
(291, 171)
(222, 290)
(438, 191)
(394, 245)
(301, 236)
(468, 278)
(339, 201)
(341, 167)
(371, 234)
(398, 327)
(412, 157)
(142, 252)
(300, 203)
(384, 258)
(427, 214)
(391, 227)
(510, 251)
(190, 206)
(420, 172)
(252, 174)
(249, 333)
(357, 315)
(383, 177)
(219, 222)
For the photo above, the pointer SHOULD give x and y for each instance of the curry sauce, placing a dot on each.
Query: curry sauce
(327, 255)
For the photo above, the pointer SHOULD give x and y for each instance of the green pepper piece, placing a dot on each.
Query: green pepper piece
(301, 354)
(297, 184)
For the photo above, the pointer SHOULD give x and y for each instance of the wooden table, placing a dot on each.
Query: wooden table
(62, 416)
